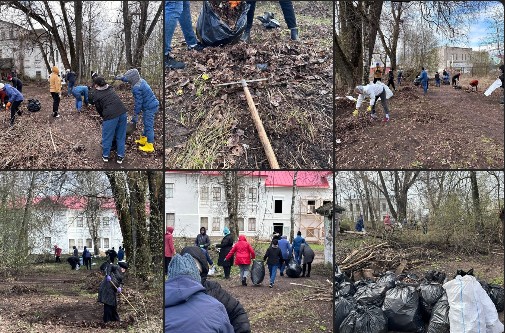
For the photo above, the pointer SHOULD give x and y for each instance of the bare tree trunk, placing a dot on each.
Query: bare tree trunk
(79, 47)
(68, 29)
(231, 192)
(22, 244)
(293, 197)
(156, 206)
(127, 21)
(477, 212)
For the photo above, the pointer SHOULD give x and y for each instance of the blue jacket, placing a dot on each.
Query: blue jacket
(360, 224)
(120, 255)
(189, 309)
(424, 76)
(297, 242)
(13, 94)
(71, 76)
(144, 97)
(80, 91)
(285, 248)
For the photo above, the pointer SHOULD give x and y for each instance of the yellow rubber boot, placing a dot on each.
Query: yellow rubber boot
(148, 147)
(142, 141)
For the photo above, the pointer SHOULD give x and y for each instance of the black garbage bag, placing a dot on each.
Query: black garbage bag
(388, 280)
(257, 272)
(343, 306)
(429, 293)
(340, 276)
(362, 283)
(33, 105)
(211, 30)
(463, 273)
(293, 270)
(435, 276)
(365, 319)
(497, 296)
(371, 294)
(484, 285)
(439, 322)
(346, 289)
(401, 307)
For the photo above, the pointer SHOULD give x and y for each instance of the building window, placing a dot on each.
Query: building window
(3, 35)
(253, 194)
(204, 223)
(105, 243)
(89, 243)
(252, 224)
(216, 193)
(38, 74)
(311, 206)
(79, 222)
(310, 232)
(105, 221)
(71, 244)
(226, 221)
(216, 224)
(47, 242)
(169, 190)
(170, 219)
(278, 207)
(240, 221)
(383, 206)
(79, 244)
(204, 193)
(241, 193)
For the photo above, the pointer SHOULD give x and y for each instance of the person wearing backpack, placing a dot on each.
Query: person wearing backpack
(86, 257)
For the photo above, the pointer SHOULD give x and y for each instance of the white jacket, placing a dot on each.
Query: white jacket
(372, 90)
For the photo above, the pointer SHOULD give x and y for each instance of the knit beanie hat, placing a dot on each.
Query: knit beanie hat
(199, 256)
(183, 265)
(226, 231)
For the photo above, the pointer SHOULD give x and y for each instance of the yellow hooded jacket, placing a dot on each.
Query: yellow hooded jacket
(55, 81)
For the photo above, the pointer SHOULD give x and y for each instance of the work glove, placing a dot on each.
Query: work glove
(8, 106)
(369, 108)
(202, 246)
(355, 113)
(109, 278)
(119, 289)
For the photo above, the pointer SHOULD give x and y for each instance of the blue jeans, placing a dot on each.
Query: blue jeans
(297, 256)
(284, 264)
(78, 98)
(114, 129)
(209, 260)
(70, 86)
(273, 272)
(178, 11)
(287, 10)
(148, 119)
(437, 82)
(425, 86)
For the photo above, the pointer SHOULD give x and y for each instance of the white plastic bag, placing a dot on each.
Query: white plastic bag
(470, 308)
(496, 84)
(389, 93)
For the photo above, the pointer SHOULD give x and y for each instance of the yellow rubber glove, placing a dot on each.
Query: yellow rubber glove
(355, 113)
(8, 106)
(369, 108)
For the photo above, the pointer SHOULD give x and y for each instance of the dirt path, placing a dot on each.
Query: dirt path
(54, 298)
(210, 127)
(285, 307)
(76, 136)
(447, 129)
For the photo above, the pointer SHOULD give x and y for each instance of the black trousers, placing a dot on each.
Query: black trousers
(14, 110)
(56, 102)
(227, 270)
(110, 313)
(167, 262)
(287, 10)
(58, 259)
(304, 266)
(392, 82)
(375, 79)
(87, 263)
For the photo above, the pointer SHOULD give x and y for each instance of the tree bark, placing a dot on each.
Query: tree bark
(293, 199)
(156, 207)
(231, 192)
(476, 202)
(22, 243)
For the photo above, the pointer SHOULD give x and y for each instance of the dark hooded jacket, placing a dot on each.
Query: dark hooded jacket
(203, 240)
(236, 312)
(107, 292)
(108, 104)
(225, 246)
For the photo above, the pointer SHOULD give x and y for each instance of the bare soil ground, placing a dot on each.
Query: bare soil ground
(210, 127)
(489, 268)
(286, 307)
(447, 129)
(54, 298)
(77, 136)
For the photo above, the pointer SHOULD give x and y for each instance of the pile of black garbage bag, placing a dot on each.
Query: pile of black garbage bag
(403, 303)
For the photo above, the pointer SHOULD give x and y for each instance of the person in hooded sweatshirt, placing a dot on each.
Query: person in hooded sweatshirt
(110, 286)
(169, 247)
(307, 254)
(14, 100)
(146, 102)
(185, 298)
(374, 92)
(113, 112)
(245, 253)
(202, 240)
(55, 89)
(225, 246)
(273, 257)
(286, 253)
(236, 312)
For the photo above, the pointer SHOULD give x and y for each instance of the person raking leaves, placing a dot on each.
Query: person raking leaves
(110, 286)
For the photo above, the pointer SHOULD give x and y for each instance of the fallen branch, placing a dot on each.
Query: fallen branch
(51, 134)
(61, 138)
(308, 286)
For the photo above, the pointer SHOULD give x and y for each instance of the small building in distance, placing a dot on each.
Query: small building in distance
(197, 199)
(455, 58)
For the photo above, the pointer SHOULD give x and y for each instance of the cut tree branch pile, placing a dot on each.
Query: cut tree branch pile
(318, 292)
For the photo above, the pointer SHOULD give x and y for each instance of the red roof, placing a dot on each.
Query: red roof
(317, 179)
(75, 202)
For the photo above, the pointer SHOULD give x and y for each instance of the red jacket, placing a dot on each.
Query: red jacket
(244, 252)
(169, 242)
(57, 251)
